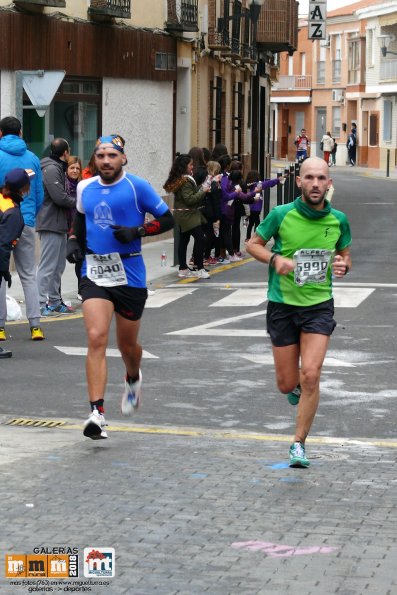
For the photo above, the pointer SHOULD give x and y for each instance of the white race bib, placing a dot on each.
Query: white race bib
(106, 270)
(312, 265)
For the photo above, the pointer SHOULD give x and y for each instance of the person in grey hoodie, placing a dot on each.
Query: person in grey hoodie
(52, 225)
(14, 153)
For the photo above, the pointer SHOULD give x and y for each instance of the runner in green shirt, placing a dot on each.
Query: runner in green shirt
(311, 244)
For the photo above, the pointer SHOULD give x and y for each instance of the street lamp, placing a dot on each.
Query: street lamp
(255, 10)
(384, 42)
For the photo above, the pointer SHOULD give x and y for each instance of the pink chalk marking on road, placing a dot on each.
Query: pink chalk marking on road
(274, 550)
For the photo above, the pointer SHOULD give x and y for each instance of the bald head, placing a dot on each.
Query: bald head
(315, 163)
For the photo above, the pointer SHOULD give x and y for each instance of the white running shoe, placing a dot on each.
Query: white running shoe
(235, 258)
(93, 426)
(186, 273)
(132, 396)
(202, 274)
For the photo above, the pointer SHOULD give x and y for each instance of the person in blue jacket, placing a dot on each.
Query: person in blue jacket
(15, 154)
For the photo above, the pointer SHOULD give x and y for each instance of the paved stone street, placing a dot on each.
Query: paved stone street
(204, 512)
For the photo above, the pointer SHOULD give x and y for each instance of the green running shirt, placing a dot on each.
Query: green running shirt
(297, 226)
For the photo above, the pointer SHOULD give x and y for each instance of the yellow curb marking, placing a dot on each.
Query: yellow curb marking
(208, 433)
(220, 269)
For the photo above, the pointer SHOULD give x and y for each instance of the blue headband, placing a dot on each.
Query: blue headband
(113, 139)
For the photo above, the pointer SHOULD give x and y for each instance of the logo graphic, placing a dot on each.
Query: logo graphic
(326, 232)
(103, 215)
(99, 561)
(41, 566)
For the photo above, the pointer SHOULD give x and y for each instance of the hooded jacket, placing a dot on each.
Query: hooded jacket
(53, 215)
(14, 153)
(11, 226)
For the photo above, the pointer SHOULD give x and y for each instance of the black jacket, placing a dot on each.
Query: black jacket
(53, 215)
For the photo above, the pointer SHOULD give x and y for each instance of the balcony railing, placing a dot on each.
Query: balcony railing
(112, 8)
(278, 25)
(388, 70)
(293, 83)
(56, 3)
(182, 15)
(219, 41)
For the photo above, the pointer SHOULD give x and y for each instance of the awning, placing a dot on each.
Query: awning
(388, 19)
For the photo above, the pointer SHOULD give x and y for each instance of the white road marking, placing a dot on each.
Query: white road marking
(266, 359)
(242, 297)
(351, 297)
(109, 352)
(209, 328)
(162, 297)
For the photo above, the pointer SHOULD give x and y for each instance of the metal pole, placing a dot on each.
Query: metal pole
(388, 164)
(176, 244)
(279, 190)
(286, 185)
(292, 182)
(296, 173)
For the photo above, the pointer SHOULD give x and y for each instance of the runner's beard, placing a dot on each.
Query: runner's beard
(112, 178)
(313, 202)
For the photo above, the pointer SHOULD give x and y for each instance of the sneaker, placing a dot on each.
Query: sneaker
(93, 426)
(5, 353)
(79, 297)
(297, 457)
(186, 273)
(132, 395)
(235, 258)
(62, 308)
(36, 333)
(45, 312)
(203, 274)
(212, 261)
(294, 396)
(3, 335)
(223, 260)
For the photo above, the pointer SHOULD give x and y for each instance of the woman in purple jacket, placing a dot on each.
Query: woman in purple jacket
(252, 179)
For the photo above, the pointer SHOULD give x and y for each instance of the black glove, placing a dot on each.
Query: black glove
(125, 235)
(74, 253)
(6, 276)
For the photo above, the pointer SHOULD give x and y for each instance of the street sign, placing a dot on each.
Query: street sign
(317, 19)
(41, 86)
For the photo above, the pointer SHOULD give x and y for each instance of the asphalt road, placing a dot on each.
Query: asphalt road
(209, 361)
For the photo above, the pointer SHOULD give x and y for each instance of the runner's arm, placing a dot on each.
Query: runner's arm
(162, 223)
(342, 263)
(257, 248)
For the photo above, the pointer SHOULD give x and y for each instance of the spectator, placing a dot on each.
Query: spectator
(218, 151)
(212, 213)
(52, 225)
(17, 184)
(351, 147)
(188, 197)
(328, 145)
(90, 171)
(14, 153)
(199, 166)
(333, 154)
(73, 177)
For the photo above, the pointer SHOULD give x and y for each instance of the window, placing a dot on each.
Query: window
(373, 130)
(370, 48)
(74, 114)
(238, 125)
(321, 53)
(299, 122)
(216, 110)
(165, 61)
(387, 120)
(336, 125)
(302, 60)
(354, 61)
(336, 58)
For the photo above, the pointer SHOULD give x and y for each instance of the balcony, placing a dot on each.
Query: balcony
(388, 70)
(182, 15)
(56, 3)
(293, 83)
(278, 26)
(110, 8)
(234, 51)
(218, 41)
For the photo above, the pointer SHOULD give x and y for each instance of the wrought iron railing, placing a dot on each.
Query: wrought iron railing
(183, 13)
(119, 6)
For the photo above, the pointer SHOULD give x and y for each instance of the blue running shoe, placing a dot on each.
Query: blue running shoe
(297, 456)
(294, 396)
(62, 309)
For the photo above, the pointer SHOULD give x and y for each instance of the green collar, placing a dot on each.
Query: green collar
(307, 211)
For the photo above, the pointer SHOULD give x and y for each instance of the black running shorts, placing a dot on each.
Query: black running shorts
(286, 322)
(129, 302)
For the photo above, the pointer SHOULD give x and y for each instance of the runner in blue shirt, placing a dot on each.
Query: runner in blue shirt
(107, 232)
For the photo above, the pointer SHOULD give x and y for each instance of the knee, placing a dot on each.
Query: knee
(286, 385)
(97, 339)
(310, 377)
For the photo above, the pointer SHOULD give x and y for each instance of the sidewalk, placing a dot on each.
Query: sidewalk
(280, 164)
(193, 511)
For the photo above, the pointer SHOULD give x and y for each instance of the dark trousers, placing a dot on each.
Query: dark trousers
(226, 235)
(211, 241)
(198, 249)
(253, 222)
